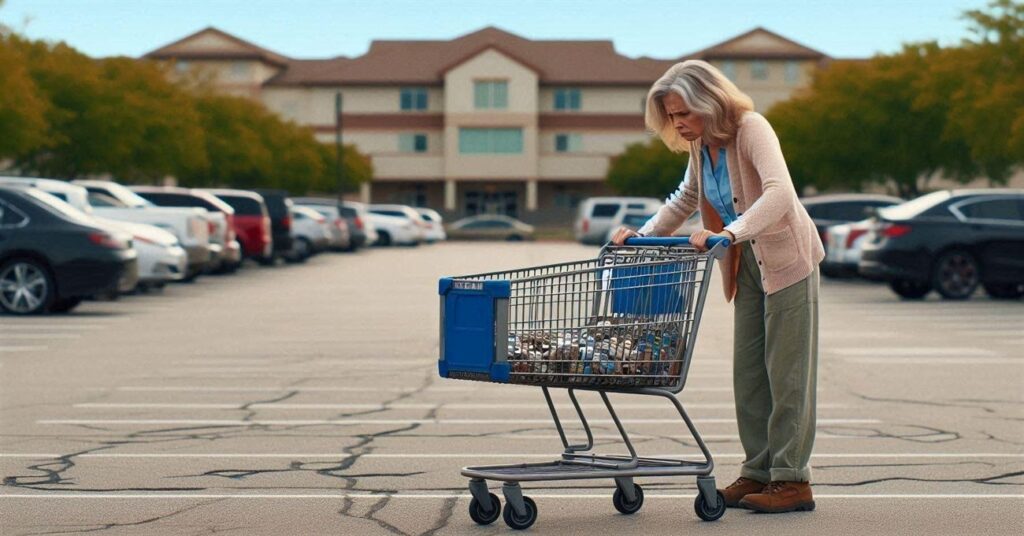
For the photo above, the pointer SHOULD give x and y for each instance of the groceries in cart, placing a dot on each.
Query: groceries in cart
(618, 350)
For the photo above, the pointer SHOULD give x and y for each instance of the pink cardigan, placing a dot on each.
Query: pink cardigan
(785, 242)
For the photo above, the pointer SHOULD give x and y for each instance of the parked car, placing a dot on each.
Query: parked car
(53, 256)
(311, 234)
(434, 230)
(635, 219)
(160, 257)
(226, 253)
(843, 243)
(490, 227)
(190, 225)
(403, 211)
(395, 230)
(597, 214)
(951, 241)
(358, 217)
(340, 239)
(833, 209)
(252, 222)
(279, 207)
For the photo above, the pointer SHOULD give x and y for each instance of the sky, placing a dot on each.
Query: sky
(327, 28)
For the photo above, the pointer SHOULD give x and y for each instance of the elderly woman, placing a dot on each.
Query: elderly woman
(738, 179)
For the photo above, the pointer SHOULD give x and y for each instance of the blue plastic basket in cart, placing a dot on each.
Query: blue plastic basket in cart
(624, 322)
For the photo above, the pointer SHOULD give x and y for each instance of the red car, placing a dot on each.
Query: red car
(252, 222)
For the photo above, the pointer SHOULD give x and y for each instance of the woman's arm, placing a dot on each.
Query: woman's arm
(757, 142)
(677, 208)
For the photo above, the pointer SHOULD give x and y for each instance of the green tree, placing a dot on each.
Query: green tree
(647, 169)
(23, 125)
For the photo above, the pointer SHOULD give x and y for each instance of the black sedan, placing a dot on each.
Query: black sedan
(52, 256)
(952, 242)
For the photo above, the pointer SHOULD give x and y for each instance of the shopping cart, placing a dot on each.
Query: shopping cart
(625, 322)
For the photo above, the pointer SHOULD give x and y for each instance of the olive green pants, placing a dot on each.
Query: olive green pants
(775, 362)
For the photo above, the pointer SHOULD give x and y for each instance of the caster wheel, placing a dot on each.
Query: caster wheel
(515, 521)
(483, 516)
(626, 507)
(705, 512)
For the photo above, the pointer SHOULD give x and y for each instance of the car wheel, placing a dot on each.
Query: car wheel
(956, 275)
(514, 238)
(26, 287)
(65, 305)
(911, 290)
(383, 238)
(1004, 291)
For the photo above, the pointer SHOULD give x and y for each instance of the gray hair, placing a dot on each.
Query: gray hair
(706, 92)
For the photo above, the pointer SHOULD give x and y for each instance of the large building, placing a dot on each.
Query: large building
(486, 122)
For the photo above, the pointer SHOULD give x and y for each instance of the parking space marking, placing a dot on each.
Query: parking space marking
(909, 351)
(56, 327)
(898, 360)
(425, 406)
(23, 348)
(602, 495)
(432, 388)
(456, 455)
(27, 336)
(306, 422)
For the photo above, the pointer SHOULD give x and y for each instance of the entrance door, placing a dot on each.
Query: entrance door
(491, 202)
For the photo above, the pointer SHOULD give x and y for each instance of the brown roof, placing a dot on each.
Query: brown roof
(239, 49)
(758, 43)
(426, 62)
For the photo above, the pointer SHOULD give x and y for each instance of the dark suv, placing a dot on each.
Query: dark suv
(951, 241)
(279, 206)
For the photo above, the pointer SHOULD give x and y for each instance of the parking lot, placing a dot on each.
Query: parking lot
(306, 400)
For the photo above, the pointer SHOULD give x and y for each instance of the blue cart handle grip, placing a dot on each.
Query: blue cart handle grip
(674, 241)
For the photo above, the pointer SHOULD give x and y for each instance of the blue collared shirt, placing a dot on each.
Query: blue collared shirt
(717, 189)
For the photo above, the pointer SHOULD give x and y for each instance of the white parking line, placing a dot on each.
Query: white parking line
(23, 348)
(456, 455)
(465, 496)
(305, 422)
(936, 360)
(909, 351)
(54, 327)
(21, 336)
(428, 406)
(432, 388)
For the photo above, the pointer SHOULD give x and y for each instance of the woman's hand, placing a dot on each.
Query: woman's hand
(622, 234)
(699, 240)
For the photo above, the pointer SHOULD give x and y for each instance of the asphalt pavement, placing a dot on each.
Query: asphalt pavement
(305, 400)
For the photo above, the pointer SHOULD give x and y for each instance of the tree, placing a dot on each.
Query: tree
(647, 169)
(23, 125)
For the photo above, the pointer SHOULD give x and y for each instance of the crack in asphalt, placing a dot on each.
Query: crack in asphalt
(107, 526)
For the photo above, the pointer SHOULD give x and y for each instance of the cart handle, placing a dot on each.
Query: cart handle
(674, 241)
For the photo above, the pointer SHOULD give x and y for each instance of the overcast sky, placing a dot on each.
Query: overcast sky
(327, 28)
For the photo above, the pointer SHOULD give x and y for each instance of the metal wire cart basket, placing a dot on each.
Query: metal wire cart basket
(624, 322)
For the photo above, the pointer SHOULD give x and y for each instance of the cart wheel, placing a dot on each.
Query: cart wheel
(705, 512)
(626, 507)
(483, 516)
(517, 522)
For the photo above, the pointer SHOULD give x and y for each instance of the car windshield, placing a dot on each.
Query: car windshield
(127, 196)
(635, 220)
(59, 207)
(914, 207)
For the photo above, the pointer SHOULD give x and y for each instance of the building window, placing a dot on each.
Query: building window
(490, 94)
(792, 72)
(240, 69)
(414, 98)
(729, 70)
(181, 66)
(412, 143)
(567, 99)
(490, 140)
(759, 70)
(568, 143)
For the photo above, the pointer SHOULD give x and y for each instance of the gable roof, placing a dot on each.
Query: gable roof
(758, 43)
(426, 62)
(229, 47)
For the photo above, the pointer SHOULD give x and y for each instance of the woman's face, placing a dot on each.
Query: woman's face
(689, 125)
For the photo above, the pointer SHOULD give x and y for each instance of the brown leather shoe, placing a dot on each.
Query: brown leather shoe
(739, 489)
(779, 496)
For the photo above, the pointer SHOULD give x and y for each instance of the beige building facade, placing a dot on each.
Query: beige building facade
(486, 122)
